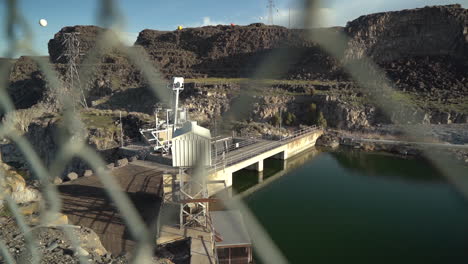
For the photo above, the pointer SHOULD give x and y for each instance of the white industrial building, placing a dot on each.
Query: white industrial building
(191, 144)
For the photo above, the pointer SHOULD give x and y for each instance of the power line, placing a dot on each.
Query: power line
(72, 53)
(270, 7)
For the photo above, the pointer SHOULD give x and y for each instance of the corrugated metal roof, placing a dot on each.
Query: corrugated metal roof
(192, 127)
(231, 227)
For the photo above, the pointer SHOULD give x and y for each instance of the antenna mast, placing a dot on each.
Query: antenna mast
(270, 6)
(177, 87)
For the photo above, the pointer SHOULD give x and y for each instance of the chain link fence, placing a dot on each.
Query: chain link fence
(19, 34)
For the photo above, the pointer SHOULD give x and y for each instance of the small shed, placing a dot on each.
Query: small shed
(233, 244)
(191, 144)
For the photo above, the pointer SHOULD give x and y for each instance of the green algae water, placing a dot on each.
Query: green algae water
(356, 207)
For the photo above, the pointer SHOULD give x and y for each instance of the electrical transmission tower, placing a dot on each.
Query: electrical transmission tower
(271, 6)
(72, 53)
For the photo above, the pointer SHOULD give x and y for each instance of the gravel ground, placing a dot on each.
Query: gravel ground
(451, 133)
(53, 246)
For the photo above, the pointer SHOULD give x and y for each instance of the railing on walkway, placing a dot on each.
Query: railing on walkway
(217, 153)
(213, 237)
(220, 164)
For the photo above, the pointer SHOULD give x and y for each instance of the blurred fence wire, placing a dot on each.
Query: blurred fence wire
(20, 34)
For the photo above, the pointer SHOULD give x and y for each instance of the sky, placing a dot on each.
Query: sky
(168, 14)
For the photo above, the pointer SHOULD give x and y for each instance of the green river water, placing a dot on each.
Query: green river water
(355, 207)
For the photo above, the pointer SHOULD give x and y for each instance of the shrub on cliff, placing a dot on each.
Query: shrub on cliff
(316, 117)
(289, 119)
(312, 114)
(22, 118)
(275, 120)
(321, 121)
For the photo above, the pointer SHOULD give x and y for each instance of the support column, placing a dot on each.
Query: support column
(257, 166)
(260, 176)
(282, 155)
(260, 165)
(284, 164)
(228, 179)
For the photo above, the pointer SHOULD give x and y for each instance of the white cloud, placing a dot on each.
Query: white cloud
(348, 10)
(339, 12)
(128, 38)
(295, 18)
(206, 21)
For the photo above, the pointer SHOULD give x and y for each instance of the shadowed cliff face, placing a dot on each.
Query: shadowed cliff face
(27, 83)
(237, 51)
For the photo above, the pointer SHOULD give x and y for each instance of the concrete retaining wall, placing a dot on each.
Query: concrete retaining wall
(303, 143)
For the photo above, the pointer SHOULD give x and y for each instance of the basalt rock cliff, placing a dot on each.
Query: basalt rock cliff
(421, 32)
(238, 51)
(424, 52)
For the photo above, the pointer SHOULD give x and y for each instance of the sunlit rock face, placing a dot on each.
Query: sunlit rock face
(429, 31)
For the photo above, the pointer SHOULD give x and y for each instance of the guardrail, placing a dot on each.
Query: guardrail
(213, 237)
(261, 149)
(235, 146)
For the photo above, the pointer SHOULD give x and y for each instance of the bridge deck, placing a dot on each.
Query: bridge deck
(244, 153)
(257, 148)
(239, 153)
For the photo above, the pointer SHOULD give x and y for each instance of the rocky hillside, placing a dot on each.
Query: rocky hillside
(421, 32)
(27, 83)
(423, 51)
(236, 51)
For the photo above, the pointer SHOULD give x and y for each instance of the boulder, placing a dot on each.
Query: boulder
(72, 176)
(56, 220)
(59, 219)
(29, 194)
(89, 240)
(110, 166)
(328, 140)
(88, 173)
(14, 185)
(79, 251)
(121, 162)
(57, 180)
(30, 208)
(12, 182)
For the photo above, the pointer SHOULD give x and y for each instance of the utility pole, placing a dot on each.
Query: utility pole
(156, 118)
(177, 87)
(121, 131)
(270, 6)
(280, 117)
(71, 43)
(289, 18)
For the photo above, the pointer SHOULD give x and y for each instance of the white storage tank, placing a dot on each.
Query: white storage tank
(191, 144)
